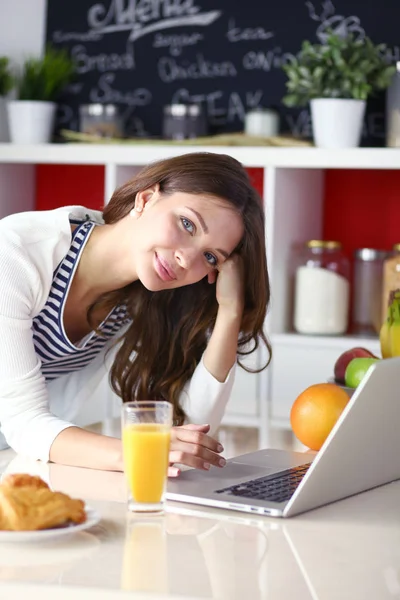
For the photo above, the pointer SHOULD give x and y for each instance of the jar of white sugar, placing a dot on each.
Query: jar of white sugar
(322, 289)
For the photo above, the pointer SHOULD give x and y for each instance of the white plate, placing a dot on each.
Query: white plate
(93, 517)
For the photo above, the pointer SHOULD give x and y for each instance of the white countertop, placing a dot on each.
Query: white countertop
(347, 550)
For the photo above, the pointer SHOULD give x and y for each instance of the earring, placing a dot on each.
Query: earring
(134, 212)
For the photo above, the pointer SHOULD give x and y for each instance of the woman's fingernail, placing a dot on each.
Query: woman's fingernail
(206, 466)
(220, 448)
(222, 462)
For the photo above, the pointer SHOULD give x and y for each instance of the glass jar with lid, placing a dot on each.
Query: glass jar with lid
(391, 278)
(102, 120)
(367, 290)
(321, 289)
(184, 121)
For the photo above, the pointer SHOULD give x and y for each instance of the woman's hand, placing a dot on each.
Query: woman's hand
(191, 446)
(230, 284)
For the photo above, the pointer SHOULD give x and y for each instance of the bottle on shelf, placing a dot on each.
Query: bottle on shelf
(321, 289)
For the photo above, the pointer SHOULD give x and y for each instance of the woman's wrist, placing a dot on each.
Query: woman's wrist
(81, 448)
(220, 354)
(118, 459)
(232, 312)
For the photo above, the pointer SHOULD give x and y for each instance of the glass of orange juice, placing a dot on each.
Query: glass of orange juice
(146, 432)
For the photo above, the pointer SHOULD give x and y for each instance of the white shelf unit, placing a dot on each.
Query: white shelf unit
(293, 197)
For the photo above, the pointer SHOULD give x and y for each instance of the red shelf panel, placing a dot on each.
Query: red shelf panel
(362, 208)
(63, 185)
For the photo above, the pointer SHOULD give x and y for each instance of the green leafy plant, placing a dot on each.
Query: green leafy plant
(344, 67)
(45, 78)
(6, 79)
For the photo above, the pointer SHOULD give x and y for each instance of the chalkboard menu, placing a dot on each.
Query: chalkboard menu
(226, 54)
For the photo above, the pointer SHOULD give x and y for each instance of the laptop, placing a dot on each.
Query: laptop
(361, 452)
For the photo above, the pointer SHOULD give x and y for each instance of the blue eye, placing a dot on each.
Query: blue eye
(188, 225)
(211, 259)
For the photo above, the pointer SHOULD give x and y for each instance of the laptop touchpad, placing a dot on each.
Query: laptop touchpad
(234, 470)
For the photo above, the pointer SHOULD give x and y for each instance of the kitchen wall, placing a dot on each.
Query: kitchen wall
(22, 33)
(22, 28)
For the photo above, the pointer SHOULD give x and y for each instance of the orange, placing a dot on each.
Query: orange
(315, 411)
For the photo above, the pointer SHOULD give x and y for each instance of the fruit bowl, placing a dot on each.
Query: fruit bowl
(350, 391)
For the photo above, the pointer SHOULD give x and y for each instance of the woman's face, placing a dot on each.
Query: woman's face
(182, 238)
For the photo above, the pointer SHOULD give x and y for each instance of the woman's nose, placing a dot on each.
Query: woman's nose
(186, 257)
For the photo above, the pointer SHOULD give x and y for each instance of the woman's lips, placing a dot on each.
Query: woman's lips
(163, 269)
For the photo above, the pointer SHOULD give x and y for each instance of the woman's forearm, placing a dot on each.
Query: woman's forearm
(79, 448)
(220, 354)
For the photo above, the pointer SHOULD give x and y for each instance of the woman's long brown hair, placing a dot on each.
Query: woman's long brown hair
(170, 329)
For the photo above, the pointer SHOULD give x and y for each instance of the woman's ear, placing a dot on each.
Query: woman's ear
(146, 198)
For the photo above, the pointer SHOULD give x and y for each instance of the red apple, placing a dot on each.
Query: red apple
(345, 358)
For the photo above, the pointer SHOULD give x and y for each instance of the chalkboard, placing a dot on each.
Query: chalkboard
(227, 54)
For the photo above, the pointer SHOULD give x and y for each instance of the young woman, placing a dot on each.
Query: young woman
(157, 296)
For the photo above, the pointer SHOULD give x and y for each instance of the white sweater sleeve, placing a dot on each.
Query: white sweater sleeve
(204, 398)
(25, 418)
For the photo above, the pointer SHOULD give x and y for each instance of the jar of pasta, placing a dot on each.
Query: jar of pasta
(391, 278)
(322, 289)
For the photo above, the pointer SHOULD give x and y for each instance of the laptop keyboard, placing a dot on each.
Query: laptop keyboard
(278, 487)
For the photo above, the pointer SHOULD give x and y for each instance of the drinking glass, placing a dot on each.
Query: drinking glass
(146, 432)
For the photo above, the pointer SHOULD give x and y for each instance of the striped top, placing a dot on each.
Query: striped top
(56, 352)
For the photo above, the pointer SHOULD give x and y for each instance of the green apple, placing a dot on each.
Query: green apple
(356, 370)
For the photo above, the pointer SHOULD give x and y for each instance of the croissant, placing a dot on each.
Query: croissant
(28, 504)
(23, 480)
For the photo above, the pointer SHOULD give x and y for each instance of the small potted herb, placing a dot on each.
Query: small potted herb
(38, 86)
(336, 78)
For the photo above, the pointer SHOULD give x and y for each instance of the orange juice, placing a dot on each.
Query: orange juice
(146, 449)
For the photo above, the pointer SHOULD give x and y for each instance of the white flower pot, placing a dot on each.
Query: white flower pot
(4, 134)
(337, 122)
(31, 122)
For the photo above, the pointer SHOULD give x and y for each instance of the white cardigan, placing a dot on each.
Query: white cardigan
(32, 244)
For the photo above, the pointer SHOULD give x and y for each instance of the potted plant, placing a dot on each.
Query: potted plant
(337, 78)
(31, 115)
(6, 84)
